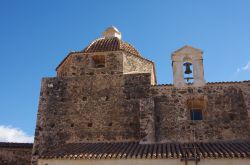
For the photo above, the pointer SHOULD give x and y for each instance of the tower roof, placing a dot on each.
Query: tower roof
(110, 41)
(186, 48)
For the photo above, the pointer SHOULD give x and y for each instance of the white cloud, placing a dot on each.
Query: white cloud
(10, 134)
(244, 68)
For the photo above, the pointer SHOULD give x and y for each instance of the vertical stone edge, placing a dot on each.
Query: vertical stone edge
(147, 121)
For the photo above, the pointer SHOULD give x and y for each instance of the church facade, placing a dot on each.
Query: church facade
(105, 107)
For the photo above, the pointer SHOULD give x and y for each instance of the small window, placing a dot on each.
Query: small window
(98, 61)
(196, 114)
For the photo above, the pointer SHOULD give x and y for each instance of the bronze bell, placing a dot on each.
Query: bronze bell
(187, 70)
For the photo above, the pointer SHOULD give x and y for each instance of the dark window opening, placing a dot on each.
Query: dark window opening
(52, 125)
(84, 98)
(196, 114)
(90, 124)
(99, 61)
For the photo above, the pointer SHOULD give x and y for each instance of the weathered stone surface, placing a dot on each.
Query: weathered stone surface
(15, 155)
(136, 64)
(80, 64)
(147, 121)
(108, 107)
(89, 108)
(225, 113)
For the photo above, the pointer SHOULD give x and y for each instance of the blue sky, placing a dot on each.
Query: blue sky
(36, 35)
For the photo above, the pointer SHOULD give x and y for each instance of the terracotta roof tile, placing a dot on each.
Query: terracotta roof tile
(228, 82)
(128, 150)
(110, 44)
(15, 145)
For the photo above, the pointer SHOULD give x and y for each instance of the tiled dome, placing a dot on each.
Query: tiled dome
(111, 41)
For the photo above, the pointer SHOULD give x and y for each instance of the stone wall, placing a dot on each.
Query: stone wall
(224, 106)
(80, 64)
(147, 120)
(103, 107)
(135, 64)
(91, 108)
(15, 153)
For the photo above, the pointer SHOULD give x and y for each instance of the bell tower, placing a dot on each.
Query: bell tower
(187, 63)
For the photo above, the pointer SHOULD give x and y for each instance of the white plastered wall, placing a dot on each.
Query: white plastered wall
(235, 161)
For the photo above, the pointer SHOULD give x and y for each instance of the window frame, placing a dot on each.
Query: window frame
(198, 116)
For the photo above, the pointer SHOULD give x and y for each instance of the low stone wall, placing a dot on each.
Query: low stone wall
(15, 153)
(225, 108)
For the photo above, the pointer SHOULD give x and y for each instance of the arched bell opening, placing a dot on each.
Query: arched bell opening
(188, 71)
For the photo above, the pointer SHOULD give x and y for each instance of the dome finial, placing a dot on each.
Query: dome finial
(111, 32)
